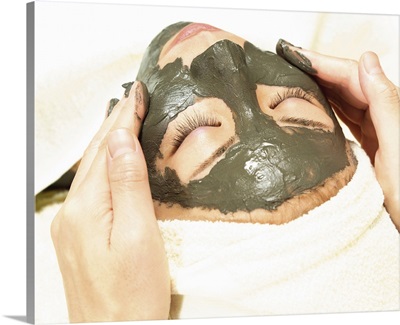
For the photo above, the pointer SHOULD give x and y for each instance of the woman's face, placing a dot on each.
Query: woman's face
(232, 129)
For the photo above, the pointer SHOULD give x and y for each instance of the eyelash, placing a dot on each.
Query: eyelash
(290, 93)
(189, 124)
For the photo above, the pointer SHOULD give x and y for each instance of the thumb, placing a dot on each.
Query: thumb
(383, 100)
(384, 105)
(130, 191)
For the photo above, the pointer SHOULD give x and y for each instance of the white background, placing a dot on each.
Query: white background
(13, 153)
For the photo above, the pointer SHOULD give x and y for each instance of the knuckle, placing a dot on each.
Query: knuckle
(346, 73)
(389, 92)
(351, 64)
(70, 209)
(55, 228)
(127, 171)
(386, 93)
(67, 218)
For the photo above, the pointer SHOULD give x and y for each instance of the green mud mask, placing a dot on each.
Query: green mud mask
(269, 164)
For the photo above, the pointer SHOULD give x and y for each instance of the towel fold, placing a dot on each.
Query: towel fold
(342, 256)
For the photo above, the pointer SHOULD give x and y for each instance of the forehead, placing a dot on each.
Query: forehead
(150, 57)
(226, 62)
(175, 86)
(267, 67)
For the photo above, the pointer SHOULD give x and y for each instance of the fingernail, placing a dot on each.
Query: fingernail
(127, 86)
(285, 43)
(371, 63)
(121, 141)
(290, 53)
(284, 47)
(111, 105)
(142, 99)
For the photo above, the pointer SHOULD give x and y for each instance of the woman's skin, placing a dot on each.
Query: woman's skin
(232, 107)
(106, 237)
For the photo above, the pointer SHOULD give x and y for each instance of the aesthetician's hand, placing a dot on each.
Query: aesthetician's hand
(368, 103)
(109, 248)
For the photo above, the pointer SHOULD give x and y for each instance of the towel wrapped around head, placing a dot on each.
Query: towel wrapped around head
(342, 256)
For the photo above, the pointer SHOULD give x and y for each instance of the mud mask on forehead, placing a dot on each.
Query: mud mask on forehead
(268, 165)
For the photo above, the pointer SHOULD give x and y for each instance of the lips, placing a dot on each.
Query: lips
(190, 31)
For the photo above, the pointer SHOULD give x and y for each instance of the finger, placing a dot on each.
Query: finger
(353, 127)
(128, 112)
(95, 144)
(384, 101)
(352, 114)
(335, 73)
(358, 122)
(88, 210)
(363, 132)
(94, 189)
(134, 109)
(130, 190)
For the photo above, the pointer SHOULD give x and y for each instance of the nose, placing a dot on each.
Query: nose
(222, 72)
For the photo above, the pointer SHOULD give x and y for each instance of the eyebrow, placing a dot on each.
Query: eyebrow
(305, 122)
(217, 153)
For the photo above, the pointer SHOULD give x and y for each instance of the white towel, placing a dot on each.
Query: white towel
(340, 257)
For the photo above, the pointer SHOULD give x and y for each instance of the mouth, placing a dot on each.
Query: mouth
(190, 31)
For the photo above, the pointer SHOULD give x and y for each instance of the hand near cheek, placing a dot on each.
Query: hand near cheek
(368, 103)
(109, 248)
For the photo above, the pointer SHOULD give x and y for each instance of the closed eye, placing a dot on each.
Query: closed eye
(287, 93)
(294, 107)
(196, 139)
(190, 123)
